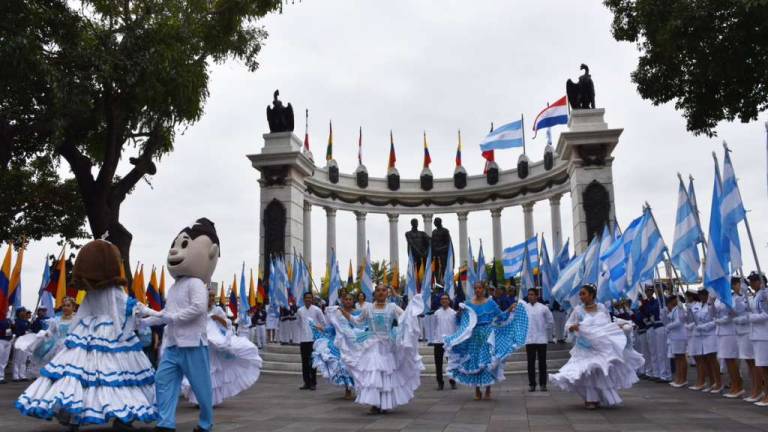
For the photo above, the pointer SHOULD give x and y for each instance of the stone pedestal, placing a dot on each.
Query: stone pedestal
(587, 146)
(283, 167)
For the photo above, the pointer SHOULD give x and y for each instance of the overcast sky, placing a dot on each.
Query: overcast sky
(412, 67)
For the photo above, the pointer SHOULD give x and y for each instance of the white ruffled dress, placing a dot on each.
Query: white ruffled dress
(101, 372)
(384, 359)
(602, 359)
(235, 362)
(326, 354)
(45, 344)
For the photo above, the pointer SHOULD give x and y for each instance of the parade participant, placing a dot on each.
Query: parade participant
(273, 320)
(260, 326)
(361, 301)
(326, 355)
(657, 336)
(641, 341)
(20, 356)
(705, 344)
(293, 322)
(602, 361)
(758, 319)
(540, 323)
(743, 305)
(40, 321)
(728, 343)
(47, 342)
(677, 340)
(385, 362)
(284, 326)
(309, 313)
(235, 361)
(485, 338)
(394, 297)
(101, 373)
(559, 316)
(191, 261)
(445, 325)
(6, 345)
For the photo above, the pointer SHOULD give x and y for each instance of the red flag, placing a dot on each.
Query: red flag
(392, 158)
(488, 155)
(427, 159)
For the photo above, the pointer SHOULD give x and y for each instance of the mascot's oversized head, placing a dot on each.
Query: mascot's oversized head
(195, 251)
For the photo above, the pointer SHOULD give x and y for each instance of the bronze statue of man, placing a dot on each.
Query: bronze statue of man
(418, 243)
(441, 241)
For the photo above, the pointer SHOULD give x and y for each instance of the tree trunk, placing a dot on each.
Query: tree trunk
(104, 218)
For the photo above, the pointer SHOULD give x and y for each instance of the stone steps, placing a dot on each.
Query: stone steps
(286, 359)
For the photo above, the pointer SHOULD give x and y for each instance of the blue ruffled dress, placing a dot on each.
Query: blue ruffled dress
(101, 373)
(326, 355)
(485, 338)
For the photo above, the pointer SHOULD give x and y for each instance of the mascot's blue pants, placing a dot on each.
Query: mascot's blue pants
(194, 363)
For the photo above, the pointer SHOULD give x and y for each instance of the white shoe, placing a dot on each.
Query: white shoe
(754, 399)
(696, 388)
(675, 385)
(734, 395)
(717, 390)
(706, 389)
(762, 404)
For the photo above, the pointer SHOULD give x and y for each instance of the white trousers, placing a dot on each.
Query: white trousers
(642, 348)
(283, 331)
(660, 359)
(559, 327)
(20, 364)
(260, 335)
(5, 353)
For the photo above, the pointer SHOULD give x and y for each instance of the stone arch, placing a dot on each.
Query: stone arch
(274, 232)
(597, 208)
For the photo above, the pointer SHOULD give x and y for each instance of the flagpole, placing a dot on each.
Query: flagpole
(746, 224)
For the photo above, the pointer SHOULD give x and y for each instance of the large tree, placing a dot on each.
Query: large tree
(708, 56)
(96, 82)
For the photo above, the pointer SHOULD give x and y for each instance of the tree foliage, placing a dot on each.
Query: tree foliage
(96, 82)
(708, 56)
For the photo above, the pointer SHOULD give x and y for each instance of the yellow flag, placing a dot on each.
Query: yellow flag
(385, 280)
(222, 295)
(80, 296)
(138, 285)
(395, 277)
(161, 290)
(15, 282)
(252, 292)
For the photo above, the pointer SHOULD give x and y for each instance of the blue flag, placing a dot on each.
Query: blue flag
(732, 209)
(448, 283)
(685, 252)
(334, 281)
(716, 274)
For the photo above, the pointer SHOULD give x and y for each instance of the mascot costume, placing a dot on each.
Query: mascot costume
(191, 261)
(100, 373)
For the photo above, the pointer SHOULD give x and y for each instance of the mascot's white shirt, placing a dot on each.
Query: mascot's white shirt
(186, 313)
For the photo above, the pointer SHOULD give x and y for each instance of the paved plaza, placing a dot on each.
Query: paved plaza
(276, 404)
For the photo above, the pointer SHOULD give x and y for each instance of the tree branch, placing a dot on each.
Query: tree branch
(141, 166)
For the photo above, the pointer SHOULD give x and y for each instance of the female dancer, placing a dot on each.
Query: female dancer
(235, 361)
(758, 319)
(704, 343)
(677, 340)
(101, 374)
(326, 356)
(485, 338)
(361, 301)
(602, 359)
(728, 343)
(45, 344)
(384, 361)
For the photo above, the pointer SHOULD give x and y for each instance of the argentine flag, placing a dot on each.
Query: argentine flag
(688, 234)
(732, 210)
(508, 136)
(717, 277)
(512, 258)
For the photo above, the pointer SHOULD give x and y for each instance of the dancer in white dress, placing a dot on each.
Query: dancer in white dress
(102, 373)
(45, 344)
(602, 359)
(235, 361)
(384, 361)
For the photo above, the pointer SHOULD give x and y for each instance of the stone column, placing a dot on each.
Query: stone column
(528, 219)
(496, 226)
(462, 237)
(428, 224)
(360, 238)
(393, 247)
(557, 229)
(307, 233)
(330, 217)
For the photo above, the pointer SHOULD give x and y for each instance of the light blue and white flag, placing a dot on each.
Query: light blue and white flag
(685, 252)
(472, 277)
(570, 277)
(512, 258)
(46, 299)
(647, 250)
(604, 275)
(563, 257)
(732, 209)
(615, 260)
(547, 274)
(592, 262)
(410, 280)
(426, 283)
(508, 136)
(334, 280)
(243, 318)
(366, 283)
(448, 284)
(526, 276)
(482, 275)
(716, 271)
(277, 282)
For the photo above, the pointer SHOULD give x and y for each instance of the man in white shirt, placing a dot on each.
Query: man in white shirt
(540, 323)
(308, 313)
(445, 325)
(191, 261)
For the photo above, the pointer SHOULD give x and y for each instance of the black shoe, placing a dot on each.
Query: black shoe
(199, 429)
(531, 388)
(544, 388)
(453, 384)
(440, 386)
(3, 382)
(375, 410)
(312, 388)
(162, 429)
(304, 387)
(117, 425)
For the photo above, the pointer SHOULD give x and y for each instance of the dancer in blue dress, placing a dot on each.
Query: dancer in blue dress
(485, 338)
(326, 355)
